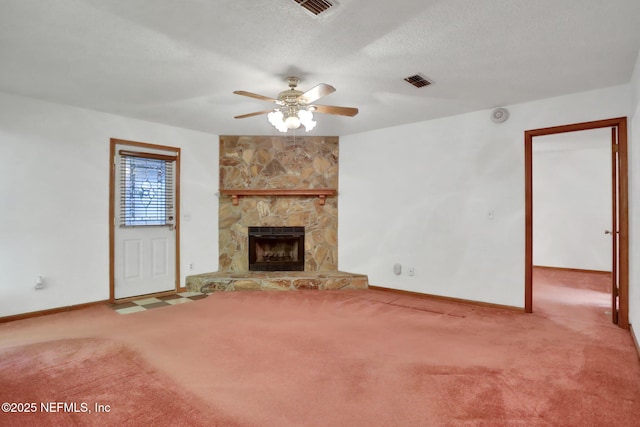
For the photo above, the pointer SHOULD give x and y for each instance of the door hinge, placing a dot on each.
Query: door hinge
(616, 148)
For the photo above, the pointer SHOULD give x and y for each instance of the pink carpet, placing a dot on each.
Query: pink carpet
(100, 382)
(345, 358)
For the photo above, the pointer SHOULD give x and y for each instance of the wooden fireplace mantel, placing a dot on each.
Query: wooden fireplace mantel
(322, 193)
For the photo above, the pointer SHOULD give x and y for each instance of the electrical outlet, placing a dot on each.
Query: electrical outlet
(190, 266)
(411, 271)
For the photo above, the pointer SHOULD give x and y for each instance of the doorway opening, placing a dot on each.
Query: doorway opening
(619, 206)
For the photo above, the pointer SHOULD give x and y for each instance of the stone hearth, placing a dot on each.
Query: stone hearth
(275, 281)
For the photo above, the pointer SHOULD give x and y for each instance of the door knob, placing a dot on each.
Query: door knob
(607, 232)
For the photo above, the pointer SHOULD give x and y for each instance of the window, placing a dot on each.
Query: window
(146, 189)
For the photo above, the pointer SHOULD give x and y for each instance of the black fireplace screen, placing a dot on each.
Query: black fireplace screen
(276, 248)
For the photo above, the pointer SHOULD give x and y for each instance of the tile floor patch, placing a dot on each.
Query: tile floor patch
(189, 294)
(156, 304)
(169, 297)
(129, 310)
(147, 303)
(179, 301)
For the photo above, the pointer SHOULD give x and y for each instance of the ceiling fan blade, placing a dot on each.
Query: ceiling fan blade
(332, 109)
(254, 95)
(244, 116)
(316, 93)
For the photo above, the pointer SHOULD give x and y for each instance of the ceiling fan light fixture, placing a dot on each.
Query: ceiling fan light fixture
(306, 118)
(276, 118)
(293, 106)
(292, 122)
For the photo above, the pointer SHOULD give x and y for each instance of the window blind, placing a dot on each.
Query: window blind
(146, 189)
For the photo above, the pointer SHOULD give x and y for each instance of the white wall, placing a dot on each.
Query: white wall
(572, 200)
(54, 164)
(417, 194)
(420, 195)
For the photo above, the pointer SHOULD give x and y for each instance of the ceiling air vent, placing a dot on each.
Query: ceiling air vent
(315, 7)
(417, 81)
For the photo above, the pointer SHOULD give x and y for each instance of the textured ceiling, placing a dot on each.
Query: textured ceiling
(178, 62)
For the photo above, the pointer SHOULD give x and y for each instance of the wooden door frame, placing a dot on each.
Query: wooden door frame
(620, 123)
(112, 207)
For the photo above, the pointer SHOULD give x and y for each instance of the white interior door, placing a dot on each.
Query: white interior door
(144, 222)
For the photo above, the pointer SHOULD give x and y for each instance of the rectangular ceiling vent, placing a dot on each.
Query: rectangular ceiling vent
(417, 80)
(315, 7)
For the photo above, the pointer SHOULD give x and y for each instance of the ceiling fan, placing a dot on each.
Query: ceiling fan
(295, 108)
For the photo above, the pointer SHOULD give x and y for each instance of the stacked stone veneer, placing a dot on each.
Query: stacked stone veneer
(271, 162)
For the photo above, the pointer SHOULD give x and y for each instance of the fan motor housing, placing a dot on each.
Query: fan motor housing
(289, 96)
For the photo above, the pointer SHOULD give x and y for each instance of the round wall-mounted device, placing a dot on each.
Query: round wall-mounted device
(500, 115)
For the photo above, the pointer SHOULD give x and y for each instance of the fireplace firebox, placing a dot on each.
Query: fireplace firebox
(276, 248)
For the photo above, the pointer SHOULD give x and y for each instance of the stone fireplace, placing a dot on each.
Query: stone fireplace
(273, 184)
(281, 174)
